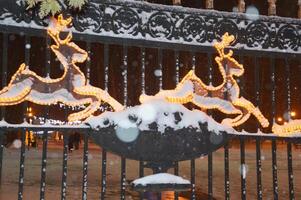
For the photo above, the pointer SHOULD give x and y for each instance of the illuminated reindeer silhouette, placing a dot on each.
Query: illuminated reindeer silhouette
(194, 90)
(71, 88)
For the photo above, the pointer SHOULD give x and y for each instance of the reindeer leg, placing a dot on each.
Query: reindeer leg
(263, 121)
(242, 102)
(88, 111)
(182, 100)
(233, 121)
(224, 106)
(100, 95)
(240, 119)
(115, 104)
(7, 99)
(244, 118)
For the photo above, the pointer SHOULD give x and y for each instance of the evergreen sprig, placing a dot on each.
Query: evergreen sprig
(52, 7)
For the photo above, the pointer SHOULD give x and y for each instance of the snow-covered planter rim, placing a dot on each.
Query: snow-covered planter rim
(163, 115)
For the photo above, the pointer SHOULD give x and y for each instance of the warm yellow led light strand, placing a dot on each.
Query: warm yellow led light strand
(89, 95)
(236, 105)
(287, 129)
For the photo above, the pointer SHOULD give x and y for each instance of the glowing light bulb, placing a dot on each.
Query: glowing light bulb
(293, 114)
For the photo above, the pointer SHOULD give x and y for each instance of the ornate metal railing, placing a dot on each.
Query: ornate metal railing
(141, 23)
(128, 41)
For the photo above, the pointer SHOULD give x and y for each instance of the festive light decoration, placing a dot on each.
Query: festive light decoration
(71, 88)
(289, 128)
(193, 89)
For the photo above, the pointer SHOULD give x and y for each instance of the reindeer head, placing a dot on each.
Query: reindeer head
(233, 67)
(67, 52)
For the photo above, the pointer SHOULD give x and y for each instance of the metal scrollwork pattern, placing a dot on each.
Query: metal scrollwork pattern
(90, 18)
(193, 28)
(160, 25)
(145, 21)
(125, 21)
(226, 25)
(257, 35)
(288, 37)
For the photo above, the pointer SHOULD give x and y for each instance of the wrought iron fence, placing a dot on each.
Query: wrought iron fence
(130, 55)
(245, 181)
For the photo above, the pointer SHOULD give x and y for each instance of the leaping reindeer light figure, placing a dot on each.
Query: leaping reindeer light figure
(194, 90)
(71, 88)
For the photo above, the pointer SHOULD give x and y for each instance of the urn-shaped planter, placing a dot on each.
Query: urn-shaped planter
(154, 146)
(158, 132)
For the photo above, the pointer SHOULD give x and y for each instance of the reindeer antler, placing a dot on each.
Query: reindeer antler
(59, 25)
(226, 41)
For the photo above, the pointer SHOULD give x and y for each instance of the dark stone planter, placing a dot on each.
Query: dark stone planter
(168, 147)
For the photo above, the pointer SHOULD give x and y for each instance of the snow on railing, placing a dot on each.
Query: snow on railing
(168, 25)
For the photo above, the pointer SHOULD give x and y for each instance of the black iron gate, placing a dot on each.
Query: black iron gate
(137, 48)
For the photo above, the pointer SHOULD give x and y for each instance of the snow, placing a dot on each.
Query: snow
(78, 80)
(43, 120)
(186, 89)
(127, 134)
(145, 15)
(60, 95)
(243, 170)
(4, 124)
(17, 88)
(163, 113)
(17, 143)
(27, 46)
(235, 9)
(97, 122)
(252, 13)
(158, 72)
(79, 57)
(125, 75)
(211, 101)
(161, 178)
(143, 71)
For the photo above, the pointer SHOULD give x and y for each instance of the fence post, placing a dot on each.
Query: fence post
(22, 166)
(290, 171)
(1, 154)
(65, 161)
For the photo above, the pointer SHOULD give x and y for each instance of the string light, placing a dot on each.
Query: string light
(279, 119)
(211, 95)
(287, 128)
(293, 114)
(68, 53)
